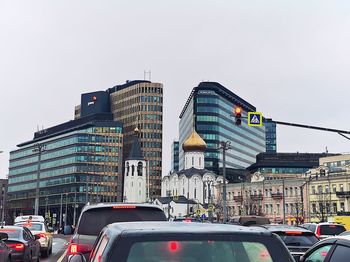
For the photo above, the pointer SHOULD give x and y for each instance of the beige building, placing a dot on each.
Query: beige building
(329, 188)
(264, 196)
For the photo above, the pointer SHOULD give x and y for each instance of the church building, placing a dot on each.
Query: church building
(194, 182)
(135, 173)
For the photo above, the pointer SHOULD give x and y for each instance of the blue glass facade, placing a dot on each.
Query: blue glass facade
(175, 156)
(76, 166)
(271, 139)
(212, 105)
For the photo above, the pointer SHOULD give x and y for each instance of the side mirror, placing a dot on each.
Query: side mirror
(50, 229)
(36, 237)
(302, 259)
(77, 258)
(3, 236)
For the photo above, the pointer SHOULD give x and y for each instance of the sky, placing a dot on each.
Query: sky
(290, 59)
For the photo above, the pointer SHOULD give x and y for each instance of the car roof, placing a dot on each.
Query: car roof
(277, 228)
(173, 228)
(9, 227)
(104, 205)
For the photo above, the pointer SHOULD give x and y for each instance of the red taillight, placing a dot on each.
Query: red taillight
(318, 231)
(124, 207)
(41, 235)
(78, 248)
(16, 246)
(265, 255)
(293, 233)
(173, 246)
(187, 220)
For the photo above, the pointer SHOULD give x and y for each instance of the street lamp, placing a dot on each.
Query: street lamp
(38, 148)
(224, 145)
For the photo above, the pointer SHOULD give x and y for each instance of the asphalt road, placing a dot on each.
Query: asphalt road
(58, 248)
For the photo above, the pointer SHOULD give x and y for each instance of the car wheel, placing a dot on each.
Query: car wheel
(45, 253)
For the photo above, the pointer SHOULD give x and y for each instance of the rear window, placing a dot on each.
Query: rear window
(32, 226)
(94, 220)
(298, 239)
(332, 230)
(193, 251)
(13, 233)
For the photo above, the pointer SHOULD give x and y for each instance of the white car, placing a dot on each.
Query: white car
(37, 225)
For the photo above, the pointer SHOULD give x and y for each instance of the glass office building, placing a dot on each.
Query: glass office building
(271, 139)
(136, 103)
(209, 110)
(76, 162)
(175, 156)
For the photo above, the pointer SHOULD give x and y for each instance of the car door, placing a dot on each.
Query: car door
(319, 254)
(341, 251)
(33, 244)
(3, 251)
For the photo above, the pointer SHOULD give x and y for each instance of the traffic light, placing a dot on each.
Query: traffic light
(238, 115)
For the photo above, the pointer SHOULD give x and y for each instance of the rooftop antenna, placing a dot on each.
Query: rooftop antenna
(145, 74)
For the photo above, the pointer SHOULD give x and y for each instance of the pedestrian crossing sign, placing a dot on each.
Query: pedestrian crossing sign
(255, 119)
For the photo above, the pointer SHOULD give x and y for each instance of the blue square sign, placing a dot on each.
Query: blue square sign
(255, 119)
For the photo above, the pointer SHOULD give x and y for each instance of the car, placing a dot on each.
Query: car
(324, 230)
(94, 218)
(23, 244)
(185, 219)
(332, 249)
(37, 225)
(5, 251)
(297, 239)
(345, 233)
(249, 220)
(187, 242)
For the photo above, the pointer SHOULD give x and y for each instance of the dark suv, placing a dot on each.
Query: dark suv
(94, 218)
(297, 239)
(186, 242)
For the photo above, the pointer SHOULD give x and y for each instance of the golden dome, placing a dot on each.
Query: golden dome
(194, 143)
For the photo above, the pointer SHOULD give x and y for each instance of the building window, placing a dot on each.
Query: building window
(319, 189)
(342, 206)
(278, 209)
(334, 189)
(200, 161)
(313, 208)
(192, 161)
(341, 188)
(313, 190)
(195, 193)
(286, 191)
(139, 169)
(335, 208)
(326, 189)
(132, 170)
(127, 168)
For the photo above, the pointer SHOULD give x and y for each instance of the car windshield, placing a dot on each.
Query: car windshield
(298, 239)
(13, 233)
(32, 226)
(94, 220)
(203, 251)
(332, 230)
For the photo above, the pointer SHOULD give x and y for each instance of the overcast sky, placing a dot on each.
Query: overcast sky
(290, 59)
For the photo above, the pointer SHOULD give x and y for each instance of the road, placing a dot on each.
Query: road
(58, 248)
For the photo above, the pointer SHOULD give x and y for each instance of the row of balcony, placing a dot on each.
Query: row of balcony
(258, 197)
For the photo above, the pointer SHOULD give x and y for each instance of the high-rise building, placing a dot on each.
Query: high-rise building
(139, 104)
(3, 201)
(209, 109)
(175, 156)
(271, 139)
(71, 164)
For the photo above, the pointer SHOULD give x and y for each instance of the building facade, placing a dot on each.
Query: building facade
(71, 164)
(286, 163)
(271, 136)
(138, 104)
(194, 181)
(135, 175)
(265, 194)
(5, 217)
(175, 156)
(209, 109)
